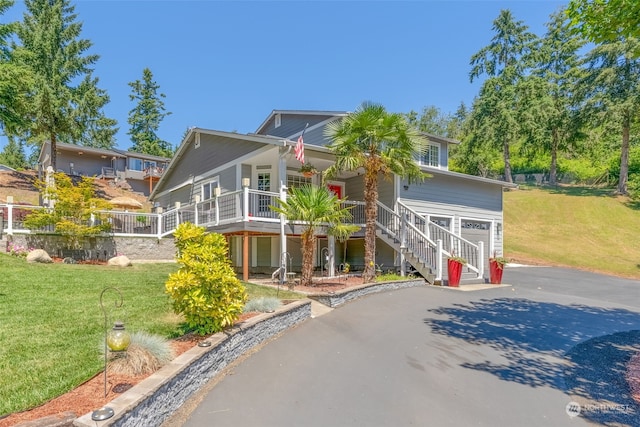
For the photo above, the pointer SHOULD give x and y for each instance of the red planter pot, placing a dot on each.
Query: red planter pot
(495, 272)
(454, 268)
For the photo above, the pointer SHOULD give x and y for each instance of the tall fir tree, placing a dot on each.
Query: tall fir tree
(502, 61)
(99, 131)
(57, 57)
(550, 119)
(13, 155)
(15, 81)
(612, 92)
(146, 116)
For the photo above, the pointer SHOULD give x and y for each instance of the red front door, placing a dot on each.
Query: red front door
(335, 189)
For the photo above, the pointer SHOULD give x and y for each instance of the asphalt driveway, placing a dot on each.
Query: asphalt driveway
(549, 350)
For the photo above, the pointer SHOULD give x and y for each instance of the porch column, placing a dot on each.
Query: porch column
(245, 256)
(331, 244)
(282, 175)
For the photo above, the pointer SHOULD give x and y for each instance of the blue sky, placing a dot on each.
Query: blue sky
(226, 65)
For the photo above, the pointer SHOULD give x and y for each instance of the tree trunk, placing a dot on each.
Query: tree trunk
(507, 162)
(624, 158)
(553, 170)
(54, 149)
(371, 213)
(308, 249)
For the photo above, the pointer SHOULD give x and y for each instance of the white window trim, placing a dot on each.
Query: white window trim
(438, 165)
(209, 182)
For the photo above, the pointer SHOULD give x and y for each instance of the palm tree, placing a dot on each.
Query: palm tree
(315, 206)
(379, 143)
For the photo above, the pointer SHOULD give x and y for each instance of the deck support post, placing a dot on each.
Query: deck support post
(245, 256)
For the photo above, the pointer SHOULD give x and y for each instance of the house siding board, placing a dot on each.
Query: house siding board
(246, 173)
(354, 190)
(228, 179)
(214, 151)
(292, 124)
(182, 195)
(455, 193)
(82, 165)
(316, 137)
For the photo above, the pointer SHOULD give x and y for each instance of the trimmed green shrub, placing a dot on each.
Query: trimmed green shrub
(262, 304)
(205, 289)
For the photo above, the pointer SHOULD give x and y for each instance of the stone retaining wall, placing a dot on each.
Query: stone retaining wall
(103, 248)
(154, 400)
(336, 299)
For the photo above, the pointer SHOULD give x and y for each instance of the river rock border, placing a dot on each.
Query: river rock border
(336, 299)
(154, 400)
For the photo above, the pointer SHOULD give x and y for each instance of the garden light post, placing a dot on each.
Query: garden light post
(116, 339)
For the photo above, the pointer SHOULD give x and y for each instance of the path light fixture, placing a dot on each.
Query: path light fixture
(116, 340)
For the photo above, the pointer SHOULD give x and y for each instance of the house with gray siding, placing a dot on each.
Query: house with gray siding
(227, 182)
(137, 170)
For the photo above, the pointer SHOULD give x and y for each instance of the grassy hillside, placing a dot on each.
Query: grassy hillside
(579, 227)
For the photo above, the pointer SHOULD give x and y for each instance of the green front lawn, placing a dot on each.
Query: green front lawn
(52, 324)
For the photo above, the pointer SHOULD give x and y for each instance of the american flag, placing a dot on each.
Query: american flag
(299, 150)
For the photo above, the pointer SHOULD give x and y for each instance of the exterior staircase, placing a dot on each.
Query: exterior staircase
(409, 233)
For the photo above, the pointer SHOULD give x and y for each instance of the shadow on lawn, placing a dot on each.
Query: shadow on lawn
(573, 348)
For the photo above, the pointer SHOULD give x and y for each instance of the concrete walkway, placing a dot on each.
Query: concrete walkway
(549, 350)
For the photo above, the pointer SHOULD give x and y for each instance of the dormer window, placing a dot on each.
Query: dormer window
(431, 155)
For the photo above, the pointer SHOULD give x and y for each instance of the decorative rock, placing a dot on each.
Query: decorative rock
(120, 261)
(39, 255)
(69, 260)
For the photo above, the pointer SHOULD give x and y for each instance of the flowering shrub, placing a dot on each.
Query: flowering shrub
(17, 250)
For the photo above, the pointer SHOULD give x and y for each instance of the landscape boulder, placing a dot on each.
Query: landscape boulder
(120, 261)
(39, 255)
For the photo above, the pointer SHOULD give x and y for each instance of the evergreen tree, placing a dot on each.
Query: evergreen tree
(612, 89)
(551, 117)
(15, 81)
(99, 131)
(13, 155)
(146, 116)
(503, 62)
(57, 57)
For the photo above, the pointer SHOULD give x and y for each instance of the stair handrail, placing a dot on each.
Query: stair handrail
(412, 239)
(461, 246)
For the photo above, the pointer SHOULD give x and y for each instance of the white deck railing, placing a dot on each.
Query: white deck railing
(237, 206)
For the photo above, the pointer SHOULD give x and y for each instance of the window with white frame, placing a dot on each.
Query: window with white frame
(264, 184)
(297, 181)
(209, 189)
(431, 155)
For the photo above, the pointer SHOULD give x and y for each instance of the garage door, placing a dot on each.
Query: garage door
(478, 231)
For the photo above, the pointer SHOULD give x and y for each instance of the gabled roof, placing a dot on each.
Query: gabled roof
(264, 139)
(300, 113)
(440, 139)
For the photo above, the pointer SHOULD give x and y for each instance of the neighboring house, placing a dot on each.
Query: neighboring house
(227, 181)
(139, 171)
